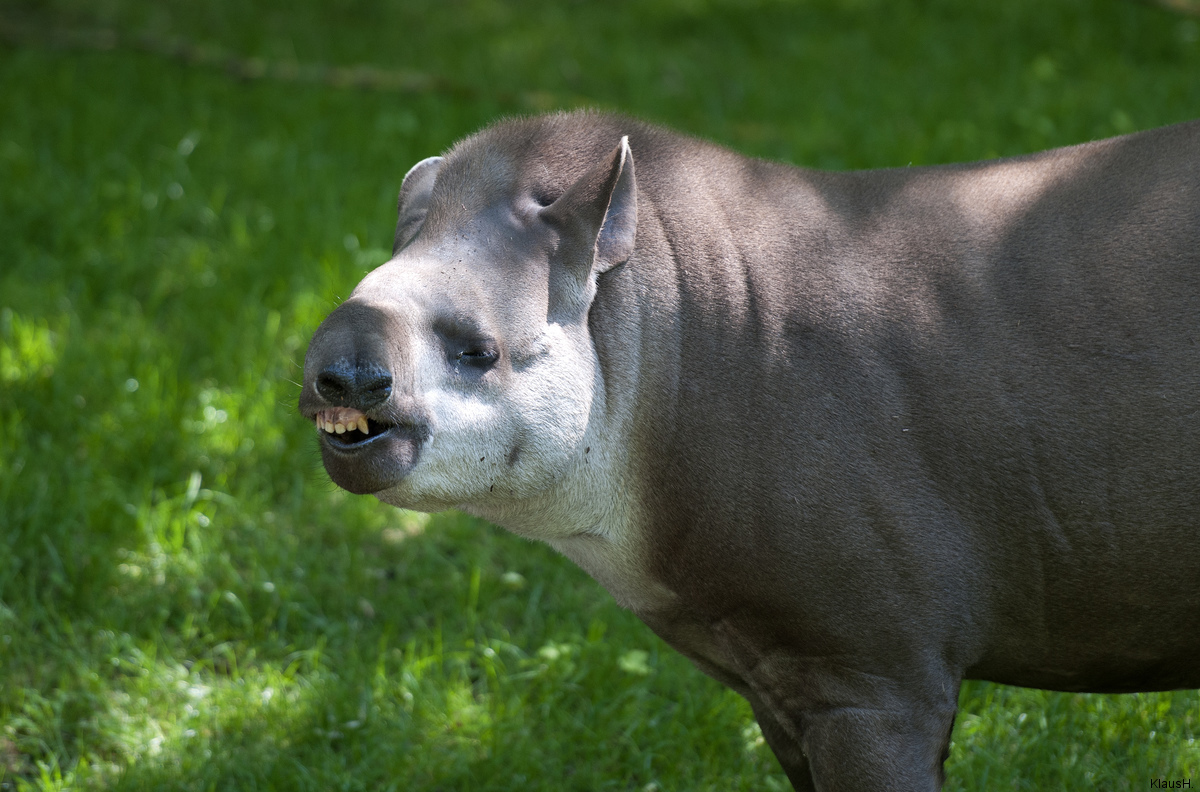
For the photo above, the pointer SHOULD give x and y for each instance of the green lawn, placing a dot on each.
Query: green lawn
(186, 602)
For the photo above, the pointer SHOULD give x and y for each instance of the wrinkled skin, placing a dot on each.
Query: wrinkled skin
(842, 439)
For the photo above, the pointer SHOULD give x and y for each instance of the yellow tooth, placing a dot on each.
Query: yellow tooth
(340, 427)
(362, 424)
(328, 426)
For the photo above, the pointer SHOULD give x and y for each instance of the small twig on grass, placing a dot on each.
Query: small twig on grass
(1190, 7)
(211, 56)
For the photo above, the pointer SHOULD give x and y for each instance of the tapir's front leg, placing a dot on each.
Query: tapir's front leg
(854, 746)
(786, 749)
(841, 724)
(857, 747)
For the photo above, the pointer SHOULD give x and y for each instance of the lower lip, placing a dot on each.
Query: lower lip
(373, 464)
(350, 448)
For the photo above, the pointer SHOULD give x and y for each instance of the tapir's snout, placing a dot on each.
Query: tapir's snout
(353, 384)
(370, 425)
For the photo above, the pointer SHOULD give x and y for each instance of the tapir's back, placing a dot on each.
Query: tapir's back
(1063, 376)
(989, 371)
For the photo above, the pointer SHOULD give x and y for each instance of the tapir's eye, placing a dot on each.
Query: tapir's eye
(478, 356)
(466, 343)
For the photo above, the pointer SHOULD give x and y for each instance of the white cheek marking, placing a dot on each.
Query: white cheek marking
(542, 412)
(567, 485)
(467, 426)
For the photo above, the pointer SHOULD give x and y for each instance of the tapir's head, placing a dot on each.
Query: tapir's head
(462, 371)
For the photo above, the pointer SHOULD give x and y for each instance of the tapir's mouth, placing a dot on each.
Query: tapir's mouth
(348, 429)
(365, 454)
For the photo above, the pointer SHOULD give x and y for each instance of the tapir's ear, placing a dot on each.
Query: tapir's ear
(597, 217)
(413, 202)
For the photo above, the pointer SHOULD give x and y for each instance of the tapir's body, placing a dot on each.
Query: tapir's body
(842, 439)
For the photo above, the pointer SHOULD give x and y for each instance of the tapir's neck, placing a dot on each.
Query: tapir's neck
(593, 513)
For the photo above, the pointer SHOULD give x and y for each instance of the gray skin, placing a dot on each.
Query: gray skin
(843, 439)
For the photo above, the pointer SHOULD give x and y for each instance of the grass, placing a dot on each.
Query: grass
(186, 602)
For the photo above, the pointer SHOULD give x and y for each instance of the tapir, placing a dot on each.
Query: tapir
(843, 439)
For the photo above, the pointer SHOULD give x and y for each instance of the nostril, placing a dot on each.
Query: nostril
(376, 385)
(334, 386)
(351, 385)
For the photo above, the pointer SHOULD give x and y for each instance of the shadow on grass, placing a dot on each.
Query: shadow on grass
(448, 657)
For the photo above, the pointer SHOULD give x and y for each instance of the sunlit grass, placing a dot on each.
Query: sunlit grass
(186, 602)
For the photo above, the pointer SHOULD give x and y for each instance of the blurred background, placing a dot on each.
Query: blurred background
(186, 189)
